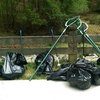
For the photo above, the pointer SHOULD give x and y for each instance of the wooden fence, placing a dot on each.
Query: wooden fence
(29, 44)
(9, 44)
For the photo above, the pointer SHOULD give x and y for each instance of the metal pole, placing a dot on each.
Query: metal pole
(47, 54)
(83, 39)
(21, 40)
(67, 24)
(52, 33)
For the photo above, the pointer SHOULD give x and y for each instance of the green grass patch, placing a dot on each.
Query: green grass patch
(95, 20)
(31, 67)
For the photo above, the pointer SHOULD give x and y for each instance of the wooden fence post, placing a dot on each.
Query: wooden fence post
(72, 45)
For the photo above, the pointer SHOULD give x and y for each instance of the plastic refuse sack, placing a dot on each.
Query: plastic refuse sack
(82, 74)
(79, 77)
(98, 61)
(46, 67)
(60, 74)
(91, 67)
(14, 65)
(19, 59)
(0, 70)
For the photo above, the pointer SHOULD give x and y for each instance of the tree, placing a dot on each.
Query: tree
(40, 15)
(77, 6)
(8, 13)
(37, 16)
(52, 13)
(94, 5)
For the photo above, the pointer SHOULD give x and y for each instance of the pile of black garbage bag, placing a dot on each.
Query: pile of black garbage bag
(81, 74)
(14, 66)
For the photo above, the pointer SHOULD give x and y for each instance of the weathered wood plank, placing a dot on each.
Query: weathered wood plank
(30, 51)
(43, 39)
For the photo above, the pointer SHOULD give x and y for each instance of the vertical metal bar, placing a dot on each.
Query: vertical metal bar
(67, 24)
(21, 40)
(48, 53)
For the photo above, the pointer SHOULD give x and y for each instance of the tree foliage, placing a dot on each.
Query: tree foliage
(38, 16)
(78, 6)
(94, 5)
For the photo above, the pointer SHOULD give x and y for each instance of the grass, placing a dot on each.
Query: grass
(95, 20)
(31, 67)
(59, 45)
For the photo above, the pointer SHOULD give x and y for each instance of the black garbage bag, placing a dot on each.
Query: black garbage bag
(60, 74)
(91, 67)
(79, 78)
(96, 78)
(98, 61)
(46, 67)
(19, 59)
(0, 70)
(86, 65)
(13, 66)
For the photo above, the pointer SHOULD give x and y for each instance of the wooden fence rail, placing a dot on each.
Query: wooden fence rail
(5, 42)
(28, 44)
